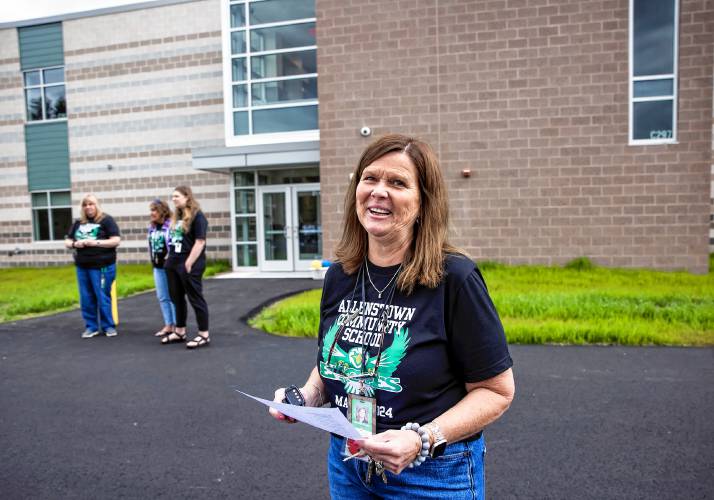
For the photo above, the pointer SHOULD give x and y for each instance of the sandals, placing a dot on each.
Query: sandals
(163, 333)
(172, 338)
(198, 341)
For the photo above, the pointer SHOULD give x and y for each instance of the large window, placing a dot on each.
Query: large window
(273, 66)
(51, 214)
(245, 219)
(44, 94)
(653, 71)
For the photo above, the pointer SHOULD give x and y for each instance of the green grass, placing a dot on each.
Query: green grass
(26, 292)
(577, 304)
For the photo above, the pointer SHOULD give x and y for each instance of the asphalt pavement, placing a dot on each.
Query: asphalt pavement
(125, 417)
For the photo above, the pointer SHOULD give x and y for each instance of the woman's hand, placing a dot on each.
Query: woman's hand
(395, 449)
(79, 244)
(188, 265)
(279, 397)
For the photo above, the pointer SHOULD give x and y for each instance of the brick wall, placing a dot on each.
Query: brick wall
(144, 88)
(532, 98)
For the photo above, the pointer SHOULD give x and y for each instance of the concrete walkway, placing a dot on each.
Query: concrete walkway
(126, 417)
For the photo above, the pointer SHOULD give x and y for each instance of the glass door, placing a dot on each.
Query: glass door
(306, 225)
(276, 230)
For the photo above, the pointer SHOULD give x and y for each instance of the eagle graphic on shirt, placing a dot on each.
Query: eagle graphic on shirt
(345, 365)
(87, 231)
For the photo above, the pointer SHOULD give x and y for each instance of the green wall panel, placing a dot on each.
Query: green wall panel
(41, 46)
(47, 147)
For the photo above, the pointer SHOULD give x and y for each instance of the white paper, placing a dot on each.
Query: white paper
(327, 419)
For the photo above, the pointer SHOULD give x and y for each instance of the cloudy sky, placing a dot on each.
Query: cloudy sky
(19, 10)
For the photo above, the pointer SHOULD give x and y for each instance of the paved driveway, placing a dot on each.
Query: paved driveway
(127, 418)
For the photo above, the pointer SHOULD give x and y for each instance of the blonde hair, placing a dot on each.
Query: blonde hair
(187, 213)
(424, 261)
(83, 216)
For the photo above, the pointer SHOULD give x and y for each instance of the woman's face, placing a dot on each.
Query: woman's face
(388, 197)
(154, 214)
(179, 199)
(90, 209)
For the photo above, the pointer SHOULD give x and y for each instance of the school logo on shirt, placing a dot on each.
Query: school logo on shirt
(156, 238)
(87, 231)
(345, 366)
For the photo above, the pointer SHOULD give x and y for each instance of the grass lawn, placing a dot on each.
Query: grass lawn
(26, 292)
(578, 304)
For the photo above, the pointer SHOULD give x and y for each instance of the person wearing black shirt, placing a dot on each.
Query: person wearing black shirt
(185, 265)
(94, 238)
(158, 238)
(408, 330)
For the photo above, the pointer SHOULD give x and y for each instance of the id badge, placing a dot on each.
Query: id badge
(362, 413)
(177, 247)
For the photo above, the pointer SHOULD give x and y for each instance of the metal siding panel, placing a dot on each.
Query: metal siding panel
(47, 147)
(41, 46)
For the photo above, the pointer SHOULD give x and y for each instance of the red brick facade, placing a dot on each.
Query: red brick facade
(532, 97)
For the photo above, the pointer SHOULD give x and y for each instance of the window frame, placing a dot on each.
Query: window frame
(42, 86)
(235, 216)
(674, 76)
(262, 138)
(49, 207)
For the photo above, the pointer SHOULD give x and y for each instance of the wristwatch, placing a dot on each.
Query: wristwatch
(438, 441)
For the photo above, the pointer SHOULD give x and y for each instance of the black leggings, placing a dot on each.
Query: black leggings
(181, 284)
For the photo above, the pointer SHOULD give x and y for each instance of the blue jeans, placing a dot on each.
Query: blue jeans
(162, 293)
(97, 297)
(456, 475)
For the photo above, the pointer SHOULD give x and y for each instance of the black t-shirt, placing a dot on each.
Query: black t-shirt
(437, 339)
(181, 241)
(159, 243)
(94, 257)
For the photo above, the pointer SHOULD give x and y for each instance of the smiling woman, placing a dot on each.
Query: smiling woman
(409, 334)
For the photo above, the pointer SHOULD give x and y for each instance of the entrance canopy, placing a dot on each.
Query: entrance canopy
(224, 160)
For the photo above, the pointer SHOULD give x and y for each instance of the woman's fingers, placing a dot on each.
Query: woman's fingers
(395, 449)
(278, 398)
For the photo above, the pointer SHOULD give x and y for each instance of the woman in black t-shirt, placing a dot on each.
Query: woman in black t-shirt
(185, 265)
(409, 334)
(94, 238)
(158, 239)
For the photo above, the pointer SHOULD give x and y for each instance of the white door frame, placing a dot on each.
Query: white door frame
(300, 265)
(275, 265)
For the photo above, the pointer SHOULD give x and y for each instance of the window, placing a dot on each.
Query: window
(51, 215)
(245, 219)
(44, 94)
(653, 71)
(273, 67)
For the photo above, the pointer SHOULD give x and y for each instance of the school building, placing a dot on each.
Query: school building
(565, 128)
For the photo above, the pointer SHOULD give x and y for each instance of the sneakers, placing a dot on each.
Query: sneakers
(88, 334)
(111, 332)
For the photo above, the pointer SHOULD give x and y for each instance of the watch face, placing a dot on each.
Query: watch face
(438, 449)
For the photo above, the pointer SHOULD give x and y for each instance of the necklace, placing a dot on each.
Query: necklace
(380, 292)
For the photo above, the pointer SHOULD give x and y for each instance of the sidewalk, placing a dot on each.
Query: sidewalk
(126, 417)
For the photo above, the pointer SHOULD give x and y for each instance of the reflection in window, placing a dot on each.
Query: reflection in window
(273, 66)
(45, 94)
(654, 83)
(51, 215)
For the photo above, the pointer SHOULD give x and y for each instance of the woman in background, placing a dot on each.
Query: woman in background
(160, 222)
(94, 238)
(185, 266)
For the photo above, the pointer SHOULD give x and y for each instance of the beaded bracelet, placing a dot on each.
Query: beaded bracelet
(424, 436)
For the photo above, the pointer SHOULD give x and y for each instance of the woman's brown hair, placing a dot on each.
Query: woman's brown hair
(162, 208)
(424, 261)
(187, 213)
(83, 216)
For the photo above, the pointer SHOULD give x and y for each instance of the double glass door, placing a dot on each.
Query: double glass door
(290, 227)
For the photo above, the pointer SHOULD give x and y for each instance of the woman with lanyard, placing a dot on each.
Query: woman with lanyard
(407, 330)
(185, 266)
(94, 238)
(158, 236)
